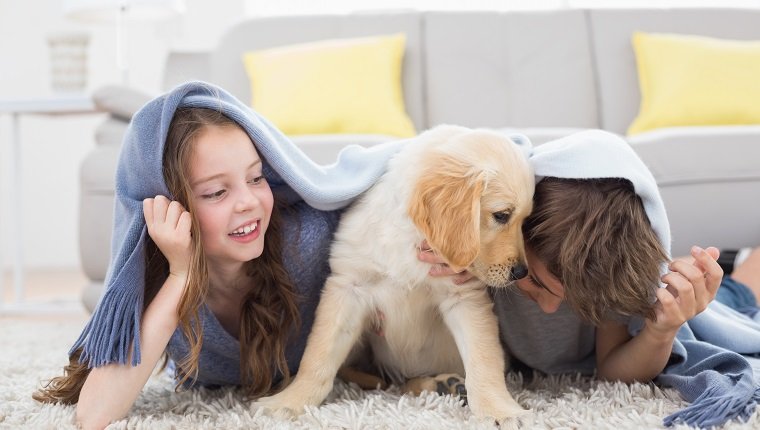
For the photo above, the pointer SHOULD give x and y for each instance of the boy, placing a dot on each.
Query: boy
(597, 245)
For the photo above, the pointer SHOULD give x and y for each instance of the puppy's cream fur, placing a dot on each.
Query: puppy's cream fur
(455, 187)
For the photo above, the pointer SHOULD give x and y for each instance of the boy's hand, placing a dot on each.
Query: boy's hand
(690, 288)
(440, 268)
(169, 227)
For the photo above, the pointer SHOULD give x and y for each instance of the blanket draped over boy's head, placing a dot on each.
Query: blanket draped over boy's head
(112, 334)
(706, 365)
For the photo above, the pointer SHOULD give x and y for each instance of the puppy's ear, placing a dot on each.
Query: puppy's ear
(445, 206)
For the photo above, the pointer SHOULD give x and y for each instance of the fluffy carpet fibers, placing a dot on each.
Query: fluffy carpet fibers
(34, 350)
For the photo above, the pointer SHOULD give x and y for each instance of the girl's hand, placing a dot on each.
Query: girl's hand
(440, 268)
(691, 286)
(169, 227)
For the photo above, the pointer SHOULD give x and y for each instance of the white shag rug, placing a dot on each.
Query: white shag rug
(33, 351)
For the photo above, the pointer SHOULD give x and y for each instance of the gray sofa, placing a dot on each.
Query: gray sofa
(543, 73)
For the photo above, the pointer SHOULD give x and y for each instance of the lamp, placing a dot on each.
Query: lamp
(120, 11)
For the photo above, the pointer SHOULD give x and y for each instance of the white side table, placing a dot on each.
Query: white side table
(54, 106)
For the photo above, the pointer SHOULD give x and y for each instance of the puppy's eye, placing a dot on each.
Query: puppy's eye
(502, 217)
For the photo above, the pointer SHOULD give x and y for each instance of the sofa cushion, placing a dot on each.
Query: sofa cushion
(183, 66)
(541, 135)
(693, 80)
(513, 69)
(613, 53)
(227, 67)
(323, 149)
(332, 86)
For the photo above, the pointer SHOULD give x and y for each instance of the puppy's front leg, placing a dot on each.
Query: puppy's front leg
(475, 329)
(339, 320)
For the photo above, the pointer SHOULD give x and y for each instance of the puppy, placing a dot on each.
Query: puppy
(466, 192)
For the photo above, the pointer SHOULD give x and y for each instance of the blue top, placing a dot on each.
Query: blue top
(308, 233)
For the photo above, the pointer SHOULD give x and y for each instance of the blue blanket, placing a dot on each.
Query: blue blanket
(708, 367)
(715, 366)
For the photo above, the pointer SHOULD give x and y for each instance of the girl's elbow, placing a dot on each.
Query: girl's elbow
(89, 419)
(626, 377)
(605, 375)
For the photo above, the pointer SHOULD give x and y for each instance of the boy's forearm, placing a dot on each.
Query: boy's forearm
(641, 358)
(109, 391)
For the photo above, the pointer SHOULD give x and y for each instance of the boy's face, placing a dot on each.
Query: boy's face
(541, 286)
(232, 201)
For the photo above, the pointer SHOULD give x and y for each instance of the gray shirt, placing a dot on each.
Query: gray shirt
(552, 343)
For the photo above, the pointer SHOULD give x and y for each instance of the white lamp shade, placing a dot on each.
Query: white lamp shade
(108, 10)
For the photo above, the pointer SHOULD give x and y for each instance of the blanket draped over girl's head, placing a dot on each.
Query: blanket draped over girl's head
(706, 366)
(113, 331)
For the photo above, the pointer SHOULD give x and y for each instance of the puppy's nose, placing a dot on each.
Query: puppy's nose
(518, 271)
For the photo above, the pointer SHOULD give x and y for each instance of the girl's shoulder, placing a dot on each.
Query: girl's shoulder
(309, 223)
(308, 233)
(307, 237)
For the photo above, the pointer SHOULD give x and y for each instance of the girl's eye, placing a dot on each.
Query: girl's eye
(215, 195)
(257, 180)
(532, 280)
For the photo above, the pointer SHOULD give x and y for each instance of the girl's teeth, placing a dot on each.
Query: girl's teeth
(245, 230)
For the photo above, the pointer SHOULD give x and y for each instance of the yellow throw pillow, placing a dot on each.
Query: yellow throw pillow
(332, 86)
(695, 80)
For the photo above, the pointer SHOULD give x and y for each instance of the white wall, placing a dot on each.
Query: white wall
(53, 147)
(291, 7)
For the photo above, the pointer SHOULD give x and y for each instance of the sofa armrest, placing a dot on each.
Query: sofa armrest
(120, 101)
(708, 178)
(111, 132)
(706, 154)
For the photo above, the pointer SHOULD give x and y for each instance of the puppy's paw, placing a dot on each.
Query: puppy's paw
(506, 411)
(446, 383)
(365, 381)
(451, 383)
(282, 405)
(520, 421)
(292, 400)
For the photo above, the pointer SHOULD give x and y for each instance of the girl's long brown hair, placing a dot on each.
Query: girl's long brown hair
(269, 312)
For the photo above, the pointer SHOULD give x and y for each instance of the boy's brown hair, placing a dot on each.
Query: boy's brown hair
(595, 237)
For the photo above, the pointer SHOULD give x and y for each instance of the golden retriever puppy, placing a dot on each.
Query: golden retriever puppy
(466, 192)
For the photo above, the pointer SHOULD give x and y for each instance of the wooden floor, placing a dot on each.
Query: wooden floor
(53, 293)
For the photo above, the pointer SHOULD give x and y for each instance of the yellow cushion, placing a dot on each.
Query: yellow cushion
(332, 86)
(695, 80)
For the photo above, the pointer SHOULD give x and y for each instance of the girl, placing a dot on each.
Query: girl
(217, 259)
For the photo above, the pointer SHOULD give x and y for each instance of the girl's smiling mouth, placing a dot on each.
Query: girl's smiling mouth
(246, 232)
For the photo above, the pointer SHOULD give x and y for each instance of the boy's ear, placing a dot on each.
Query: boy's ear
(446, 209)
